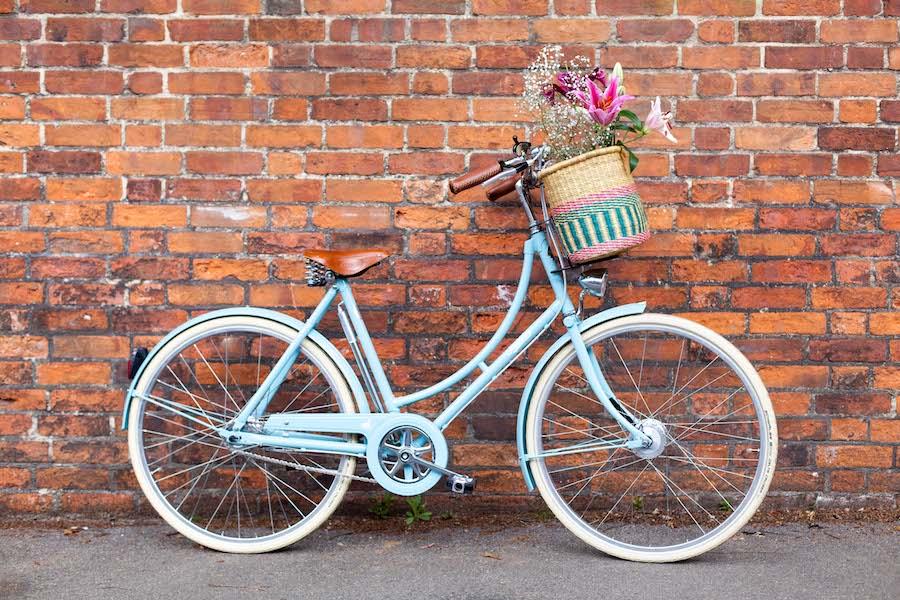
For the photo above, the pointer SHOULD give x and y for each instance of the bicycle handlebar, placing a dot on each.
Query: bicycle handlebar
(473, 178)
(501, 188)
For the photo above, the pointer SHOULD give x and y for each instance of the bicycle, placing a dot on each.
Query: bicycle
(245, 425)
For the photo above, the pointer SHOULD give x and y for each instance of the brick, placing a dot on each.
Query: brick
(434, 57)
(140, 55)
(801, 7)
(287, 83)
(426, 163)
(764, 244)
(429, 109)
(635, 7)
(351, 217)
(57, 6)
(369, 136)
(16, 134)
(229, 56)
(224, 163)
(82, 135)
(145, 83)
(716, 32)
(191, 30)
(215, 7)
(228, 109)
(338, 190)
(340, 7)
(284, 190)
(138, 6)
(783, 31)
(374, 83)
(444, 7)
(775, 138)
(856, 138)
(200, 83)
(143, 163)
(203, 242)
(354, 109)
(509, 7)
(20, 29)
(776, 84)
(795, 111)
(720, 58)
(85, 30)
(859, 244)
(286, 30)
(63, 162)
(147, 109)
(654, 30)
(865, 58)
(855, 31)
(723, 111)
(366, 57)
(146, 30)
(793, 164)
(857, 84)
(561, 30)
(733, 165)
(852, 192)
(203, 135)
(805, 57)
(492, 30)
(83, 189)
(93, 82)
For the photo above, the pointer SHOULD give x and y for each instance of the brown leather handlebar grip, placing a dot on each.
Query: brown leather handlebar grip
(473, 178)
(502, 188)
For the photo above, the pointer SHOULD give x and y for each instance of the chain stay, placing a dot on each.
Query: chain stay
(300, 467)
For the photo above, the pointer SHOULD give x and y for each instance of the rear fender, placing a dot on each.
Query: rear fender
(333, 353)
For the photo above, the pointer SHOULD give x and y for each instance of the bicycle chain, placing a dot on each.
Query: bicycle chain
(299, 467)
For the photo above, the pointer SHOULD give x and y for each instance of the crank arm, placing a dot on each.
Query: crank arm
(425, 463)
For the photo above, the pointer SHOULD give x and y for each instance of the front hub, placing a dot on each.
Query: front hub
(656, 431)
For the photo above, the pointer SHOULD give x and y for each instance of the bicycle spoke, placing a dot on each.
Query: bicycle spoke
(656, 500)
(235, 494)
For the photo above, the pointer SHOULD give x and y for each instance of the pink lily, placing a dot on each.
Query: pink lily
(659, 122)
(603, 105)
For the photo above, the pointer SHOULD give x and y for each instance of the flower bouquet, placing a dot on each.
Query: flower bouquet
(589, 189)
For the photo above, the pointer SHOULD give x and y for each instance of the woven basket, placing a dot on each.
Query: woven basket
(595, 205)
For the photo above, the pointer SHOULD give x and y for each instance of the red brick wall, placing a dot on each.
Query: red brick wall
(161, 158)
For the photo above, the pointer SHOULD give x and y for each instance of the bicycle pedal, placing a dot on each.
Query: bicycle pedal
(461, 484)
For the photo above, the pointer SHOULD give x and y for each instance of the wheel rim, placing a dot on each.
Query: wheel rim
(712, 467)
(239, 495)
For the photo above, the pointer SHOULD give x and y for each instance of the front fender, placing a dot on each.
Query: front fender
(601, 317)
(314, 336)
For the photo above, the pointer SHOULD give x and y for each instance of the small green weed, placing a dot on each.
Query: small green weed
(418, 510)
(382, 506)
(725, 506)
(542, 515)
(638, 502)
(447, 515)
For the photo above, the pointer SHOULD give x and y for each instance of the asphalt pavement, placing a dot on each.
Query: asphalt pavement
(536, 561)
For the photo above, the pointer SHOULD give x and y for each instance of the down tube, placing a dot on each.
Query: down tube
(497, 367)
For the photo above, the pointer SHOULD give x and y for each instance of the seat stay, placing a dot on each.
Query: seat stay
(257, 404)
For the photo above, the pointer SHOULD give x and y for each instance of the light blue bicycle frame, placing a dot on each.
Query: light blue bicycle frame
(293, 430)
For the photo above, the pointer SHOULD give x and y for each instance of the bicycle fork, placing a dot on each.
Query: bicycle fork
(637, 439)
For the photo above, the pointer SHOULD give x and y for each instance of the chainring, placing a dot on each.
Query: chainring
(391, 447)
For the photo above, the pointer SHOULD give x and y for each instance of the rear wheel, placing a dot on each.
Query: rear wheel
(701, 402)
(234, 499)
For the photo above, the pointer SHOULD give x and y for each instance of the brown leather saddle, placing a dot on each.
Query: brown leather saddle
(347, 263)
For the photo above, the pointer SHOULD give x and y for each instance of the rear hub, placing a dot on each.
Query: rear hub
(656, 431)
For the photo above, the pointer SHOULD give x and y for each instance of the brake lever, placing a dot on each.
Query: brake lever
(501, 175)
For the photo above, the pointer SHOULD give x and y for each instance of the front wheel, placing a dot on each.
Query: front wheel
(714, 431)
(229, 498)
